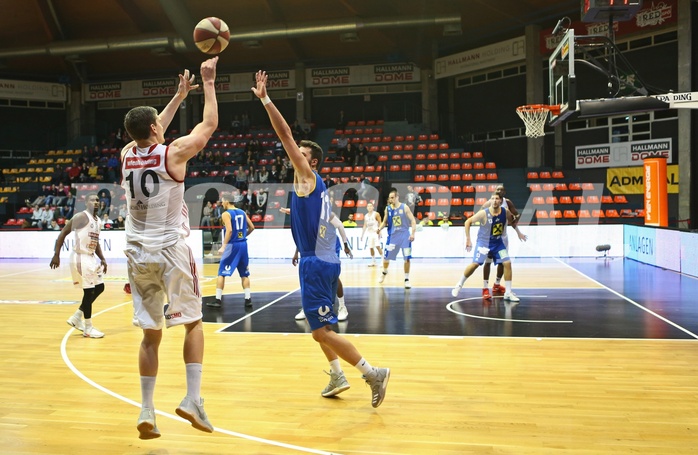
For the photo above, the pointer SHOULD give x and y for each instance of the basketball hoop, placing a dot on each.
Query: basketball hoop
(534, 115)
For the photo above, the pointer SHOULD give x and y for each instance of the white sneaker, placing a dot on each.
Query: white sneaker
(455, 291)
(382, 277)
(372, 264)
(510, 296)
(301, 315)
(147, 429)
(92, 333)
(408, 285)
(342, 314)
(76, 323)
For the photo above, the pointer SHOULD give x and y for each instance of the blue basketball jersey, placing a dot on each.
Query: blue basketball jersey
(493, 228)
(310, 222)
(238, 222)
(397, 219)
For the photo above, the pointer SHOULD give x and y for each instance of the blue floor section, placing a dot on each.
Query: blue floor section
(639, 302)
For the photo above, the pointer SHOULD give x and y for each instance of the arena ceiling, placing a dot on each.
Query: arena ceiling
(72, 41)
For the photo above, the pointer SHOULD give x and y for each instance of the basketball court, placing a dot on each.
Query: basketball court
(598, 357)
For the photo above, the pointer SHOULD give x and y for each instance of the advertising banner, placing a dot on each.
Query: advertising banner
(33, 91)
(513, 50)
(167, 87)
(631, 180)
(640, 243)
(338, 76)
(656, 202)
(621, 154)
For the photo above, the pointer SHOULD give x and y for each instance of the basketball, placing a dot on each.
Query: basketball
(211, 35)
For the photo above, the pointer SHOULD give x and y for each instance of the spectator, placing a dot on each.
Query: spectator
(207, 212)
(252, 176)
(350, 154)
(328, 181)
(119, 223)
(112, 169)
(263, 175)
(92, 171)
(349, 222)
(54, 226)
(45, 217)
(106, 221)
(241, 179)
(342, 143)
(364, 187)
(275, 174)
(361, 155)
(68, 208)
(444, 222)
(412, 198)
(103, 209)
(262, 198)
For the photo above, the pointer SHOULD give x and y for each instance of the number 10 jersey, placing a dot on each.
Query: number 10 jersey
(158, 215)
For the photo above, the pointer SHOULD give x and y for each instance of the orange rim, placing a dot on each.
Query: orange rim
(554, 108)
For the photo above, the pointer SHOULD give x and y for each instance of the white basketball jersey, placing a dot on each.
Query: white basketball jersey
(157, 214)
(371, 223)
(87, 237)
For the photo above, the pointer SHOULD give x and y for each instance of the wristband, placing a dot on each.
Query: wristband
(266, 100)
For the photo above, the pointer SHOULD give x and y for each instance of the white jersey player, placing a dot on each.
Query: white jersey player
(84, 267)
(160, 264)
(372, 221)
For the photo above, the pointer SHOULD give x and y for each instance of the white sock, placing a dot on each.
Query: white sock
(498, 280)
(88, 324)
(341, 301)
(461, 281)
(407, 276)
(363, 366)
(147, 391)
(485, 284)
(247, 293)
(79, 314)
(219, 293)
(385, 270)
(194, 371)
(335, 366)
(508, 285)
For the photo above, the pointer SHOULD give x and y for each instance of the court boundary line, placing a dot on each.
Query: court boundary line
(79, 374)
(631, 301)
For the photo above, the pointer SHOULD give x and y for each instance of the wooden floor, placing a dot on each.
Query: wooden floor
(62, 394)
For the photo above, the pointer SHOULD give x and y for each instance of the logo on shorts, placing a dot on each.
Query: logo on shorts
(173, 315)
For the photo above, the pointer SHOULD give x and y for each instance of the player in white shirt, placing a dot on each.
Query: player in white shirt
(372, 221)
(160, 264)
(86, 271)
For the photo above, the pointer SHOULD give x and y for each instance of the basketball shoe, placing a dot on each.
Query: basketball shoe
(194, 413)
(486, 293)
(510, 296)
(215, 304)
(498, 290)
(91, 332)
(338, 384)
(378, 381)
(146, 425)
(382, 277)
(408, 285)
(455, 291)
(342, 313)
(300, 316)
(248, 303)
(76, 323)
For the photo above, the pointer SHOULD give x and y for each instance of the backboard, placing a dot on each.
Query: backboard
(561, 78)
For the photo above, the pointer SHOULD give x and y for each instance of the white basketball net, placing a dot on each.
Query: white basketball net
(534, 117)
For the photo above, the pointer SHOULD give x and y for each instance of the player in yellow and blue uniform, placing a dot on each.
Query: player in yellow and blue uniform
(319, 267)
(493, 223)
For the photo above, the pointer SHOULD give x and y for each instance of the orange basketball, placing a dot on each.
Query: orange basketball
(211, 35)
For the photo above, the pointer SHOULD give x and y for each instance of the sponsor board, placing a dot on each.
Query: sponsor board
(621, 154)
(631, 180)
